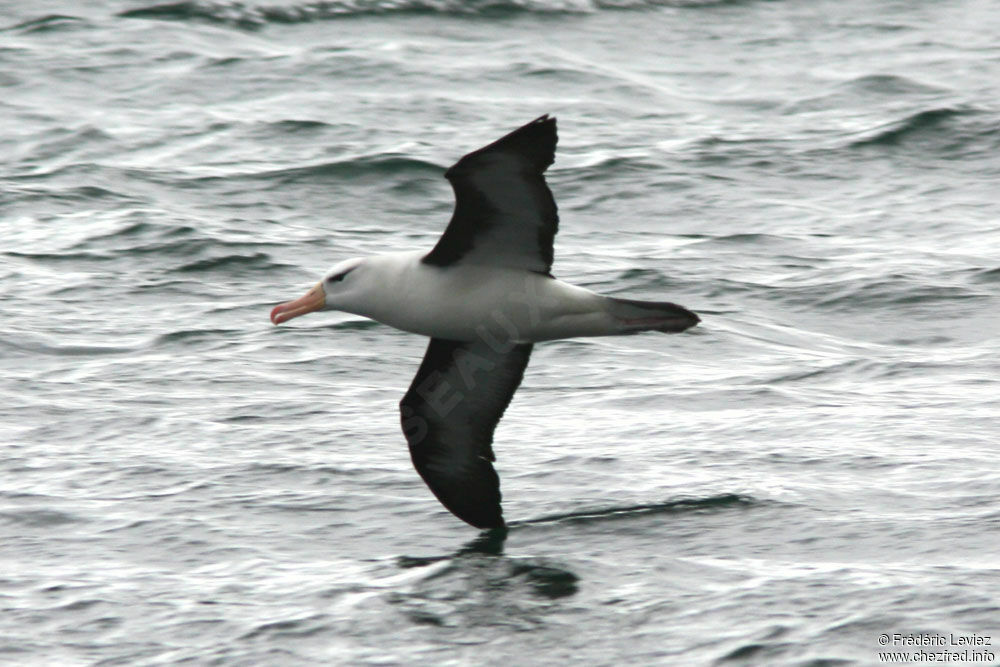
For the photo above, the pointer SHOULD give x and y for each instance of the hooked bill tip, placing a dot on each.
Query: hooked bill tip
(311, 301)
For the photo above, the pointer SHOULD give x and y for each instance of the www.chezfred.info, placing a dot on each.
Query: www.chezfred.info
(928, 647)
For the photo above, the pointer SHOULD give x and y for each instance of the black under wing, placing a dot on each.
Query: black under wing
(448, 416)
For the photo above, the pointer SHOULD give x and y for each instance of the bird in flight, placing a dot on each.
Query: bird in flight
(484, 295)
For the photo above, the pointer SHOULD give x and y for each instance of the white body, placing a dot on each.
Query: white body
(468, 302)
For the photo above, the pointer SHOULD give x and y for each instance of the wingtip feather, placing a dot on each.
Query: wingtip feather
(534, 141)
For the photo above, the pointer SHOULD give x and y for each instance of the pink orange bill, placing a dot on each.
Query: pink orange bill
(314, 299)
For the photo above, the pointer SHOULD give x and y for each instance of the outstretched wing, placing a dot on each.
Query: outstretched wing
(449, 414)
(504, 211)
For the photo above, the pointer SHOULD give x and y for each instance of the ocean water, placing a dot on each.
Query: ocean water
(809, 477)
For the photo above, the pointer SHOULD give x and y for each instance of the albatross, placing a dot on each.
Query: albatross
(484, 295)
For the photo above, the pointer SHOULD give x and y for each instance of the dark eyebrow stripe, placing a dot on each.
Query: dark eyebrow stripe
(340, 276)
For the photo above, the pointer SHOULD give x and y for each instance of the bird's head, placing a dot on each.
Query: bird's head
(336, 291)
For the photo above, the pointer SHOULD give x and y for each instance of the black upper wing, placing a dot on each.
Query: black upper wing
(449, 414)
(504, 211)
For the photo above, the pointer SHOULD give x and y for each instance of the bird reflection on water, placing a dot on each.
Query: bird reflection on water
(480, 566)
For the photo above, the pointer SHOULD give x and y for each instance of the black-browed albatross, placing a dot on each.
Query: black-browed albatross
(484, 295)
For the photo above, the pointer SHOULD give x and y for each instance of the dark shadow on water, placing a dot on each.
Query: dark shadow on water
(682, 505)
(481, 565)
(491, 542)
(487, 543)
(547, 580)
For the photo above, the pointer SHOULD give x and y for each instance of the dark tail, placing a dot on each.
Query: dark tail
(635, 316)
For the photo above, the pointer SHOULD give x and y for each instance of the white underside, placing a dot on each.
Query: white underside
(472, 302)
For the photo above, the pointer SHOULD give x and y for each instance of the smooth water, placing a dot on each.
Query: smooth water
(815, 465)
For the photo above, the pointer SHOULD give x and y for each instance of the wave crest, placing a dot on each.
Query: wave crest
(948, 131)
(251, 17)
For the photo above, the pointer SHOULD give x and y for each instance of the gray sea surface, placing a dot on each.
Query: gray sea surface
(809, 477)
